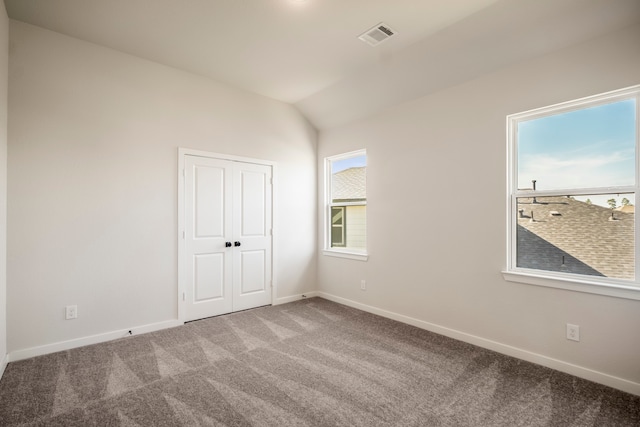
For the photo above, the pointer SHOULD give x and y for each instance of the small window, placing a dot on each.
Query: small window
(346, 191)
(572, 190)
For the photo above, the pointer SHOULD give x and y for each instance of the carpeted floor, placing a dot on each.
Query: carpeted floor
(308, 363)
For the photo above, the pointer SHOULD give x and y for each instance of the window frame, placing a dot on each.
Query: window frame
(622, 288)
(340, 252)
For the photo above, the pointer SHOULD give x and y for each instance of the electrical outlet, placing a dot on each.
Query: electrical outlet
(573, 332)
(363, 285)
(71, 312)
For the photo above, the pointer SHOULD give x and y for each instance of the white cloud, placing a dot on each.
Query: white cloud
(612, 169)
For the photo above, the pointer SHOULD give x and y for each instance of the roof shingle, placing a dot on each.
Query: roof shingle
(577, 237)
(349, 185)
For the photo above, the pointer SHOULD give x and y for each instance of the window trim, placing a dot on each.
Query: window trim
(340, 252)
(621, 288)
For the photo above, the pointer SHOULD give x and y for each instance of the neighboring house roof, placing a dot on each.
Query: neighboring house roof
(349, 185)
(583, 235)
(627, 208)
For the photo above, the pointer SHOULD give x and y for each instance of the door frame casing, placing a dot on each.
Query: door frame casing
(182, 252)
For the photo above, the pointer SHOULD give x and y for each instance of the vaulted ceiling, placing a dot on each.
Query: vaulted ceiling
(306, 52)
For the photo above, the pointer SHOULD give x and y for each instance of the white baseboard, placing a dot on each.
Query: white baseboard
(109, 336)
(293, 298)
(3, 365)
(93, 339)
(559, 365)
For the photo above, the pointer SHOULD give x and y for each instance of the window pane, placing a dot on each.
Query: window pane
(588, 148)
(349, 227)
(590, 235)
(349, 179)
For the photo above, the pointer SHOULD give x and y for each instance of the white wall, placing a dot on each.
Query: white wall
(4, 75)
(440, 261)
(92, 183)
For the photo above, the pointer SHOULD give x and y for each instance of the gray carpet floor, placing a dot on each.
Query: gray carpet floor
(307, 363)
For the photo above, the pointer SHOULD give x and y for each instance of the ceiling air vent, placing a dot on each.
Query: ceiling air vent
(377, 34)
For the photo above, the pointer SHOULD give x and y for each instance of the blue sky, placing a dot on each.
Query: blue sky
(588, 148)
(340, 165)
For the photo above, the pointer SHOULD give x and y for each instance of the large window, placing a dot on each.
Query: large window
(346, 205)
(573, 180)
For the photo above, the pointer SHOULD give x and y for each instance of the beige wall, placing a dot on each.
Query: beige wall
(4, 72)
(93, 145)
(445, 155)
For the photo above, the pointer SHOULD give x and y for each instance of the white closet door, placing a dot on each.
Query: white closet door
(227, 236)
(252, 233)
(208, 221)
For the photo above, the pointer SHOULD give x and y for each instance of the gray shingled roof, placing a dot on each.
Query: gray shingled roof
(584, 234)
(349, 185)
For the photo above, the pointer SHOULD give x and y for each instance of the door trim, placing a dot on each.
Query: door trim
(182, 152)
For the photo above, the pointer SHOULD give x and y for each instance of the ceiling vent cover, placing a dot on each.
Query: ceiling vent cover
(377, 34)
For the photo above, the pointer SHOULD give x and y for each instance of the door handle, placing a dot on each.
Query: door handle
(236, 244)
(227, 244)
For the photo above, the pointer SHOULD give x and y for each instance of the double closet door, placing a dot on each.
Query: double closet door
(228, 234)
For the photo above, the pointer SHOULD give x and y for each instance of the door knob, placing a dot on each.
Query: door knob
(227, 244)
(236, 244)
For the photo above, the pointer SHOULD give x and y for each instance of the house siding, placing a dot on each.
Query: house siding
(357, 227)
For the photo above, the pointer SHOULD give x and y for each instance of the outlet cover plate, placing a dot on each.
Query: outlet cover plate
(573, 332)
(71, 312)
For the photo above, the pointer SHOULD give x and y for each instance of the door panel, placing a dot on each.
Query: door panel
(226, 202)
(209, 276)
(208, 216)
(252, 272)
(209, 197)
(253, 189)
(252, 228)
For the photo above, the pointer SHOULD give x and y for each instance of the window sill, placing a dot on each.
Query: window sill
(359, 256)
(598, 288)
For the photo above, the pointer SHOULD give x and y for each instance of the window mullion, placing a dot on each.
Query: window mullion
(359, 203)
(576, 192)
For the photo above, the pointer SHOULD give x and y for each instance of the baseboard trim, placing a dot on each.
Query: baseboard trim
(93, 339)
(3, 365)
(109, 336)
(293, 298)
(539, 359)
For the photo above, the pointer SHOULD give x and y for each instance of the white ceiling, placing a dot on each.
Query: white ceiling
(307, 52)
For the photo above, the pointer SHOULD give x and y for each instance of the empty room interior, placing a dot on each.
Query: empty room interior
(234, 212)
